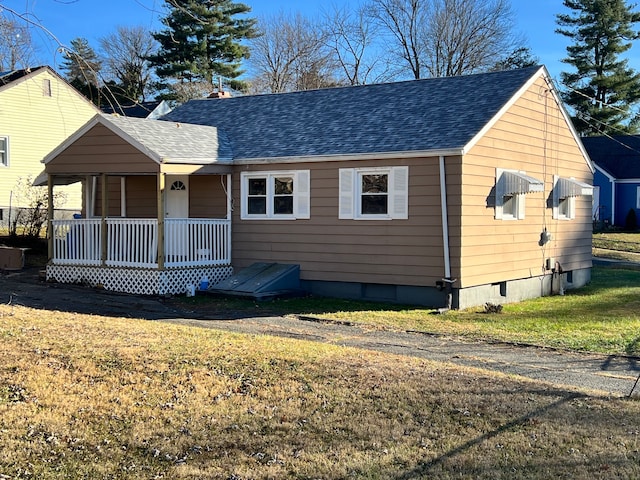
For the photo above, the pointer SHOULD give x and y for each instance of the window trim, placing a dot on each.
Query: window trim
(570, 199)
(350, 193)
(301, 194)
(4, 156)
(519, 202)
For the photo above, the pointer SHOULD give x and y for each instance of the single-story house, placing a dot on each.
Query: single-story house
(616, 180)
(446, 192)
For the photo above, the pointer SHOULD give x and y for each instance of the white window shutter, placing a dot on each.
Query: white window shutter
(243, 195)
(302, 195)
(346, 194)
(399, 181)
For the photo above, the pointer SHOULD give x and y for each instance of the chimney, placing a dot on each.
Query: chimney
(220, 94)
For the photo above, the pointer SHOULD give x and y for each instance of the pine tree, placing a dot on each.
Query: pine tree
(603, 88)
(201, 42)
(82, 68)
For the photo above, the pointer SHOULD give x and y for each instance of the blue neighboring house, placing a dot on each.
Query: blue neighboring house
(617, 177)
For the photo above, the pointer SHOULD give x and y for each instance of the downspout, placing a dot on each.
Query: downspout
(448, 281)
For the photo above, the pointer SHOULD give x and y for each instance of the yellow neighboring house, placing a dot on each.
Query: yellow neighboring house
(39, 110)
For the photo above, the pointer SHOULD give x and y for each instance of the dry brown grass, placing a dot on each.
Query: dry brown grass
(94, 397)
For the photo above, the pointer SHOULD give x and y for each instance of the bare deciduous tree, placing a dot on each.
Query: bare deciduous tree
(447, 37)
(352, 38)
(125, 55)
(467, 36)
(16, 47)
(289, 54)
(406, 21)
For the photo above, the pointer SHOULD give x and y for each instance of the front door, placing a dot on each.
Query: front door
(176, 207)
(177, 198)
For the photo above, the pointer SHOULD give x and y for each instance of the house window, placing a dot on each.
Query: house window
(282, 195)
(565, 191)
(374, 193)
(511, 189)
(4, 151)
(178, 185)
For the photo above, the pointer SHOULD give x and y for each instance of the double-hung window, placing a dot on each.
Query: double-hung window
(4, 151)
(374, 193)
(279, 195)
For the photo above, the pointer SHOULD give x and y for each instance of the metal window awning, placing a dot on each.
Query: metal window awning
(569, 187)
(515, 182)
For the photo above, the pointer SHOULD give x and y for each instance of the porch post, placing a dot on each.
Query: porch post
(105, 210)
(229, 214)
(50, 216)
(160, 200)
(229, 196)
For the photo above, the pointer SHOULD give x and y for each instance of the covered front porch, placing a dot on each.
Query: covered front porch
(152, 222)
(127, 255)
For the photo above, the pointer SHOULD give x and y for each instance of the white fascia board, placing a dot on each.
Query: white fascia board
(70, 140)
(628, 180)
(350, 157)
(610, 177)
(542, 72)
(130, 140)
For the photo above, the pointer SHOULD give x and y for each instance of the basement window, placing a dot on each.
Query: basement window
(565, 191)
(279, 195)
(511, 188)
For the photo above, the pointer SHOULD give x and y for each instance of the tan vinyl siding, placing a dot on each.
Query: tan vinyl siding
(36, 124)
(207, 197)
(142, 197)
(113, 198)
(101, 151)
(532, 136)
(403, 252)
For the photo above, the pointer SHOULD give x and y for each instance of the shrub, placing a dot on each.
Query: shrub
(631, 221)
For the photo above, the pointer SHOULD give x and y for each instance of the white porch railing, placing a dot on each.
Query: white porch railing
(77, 242)
(133, 242)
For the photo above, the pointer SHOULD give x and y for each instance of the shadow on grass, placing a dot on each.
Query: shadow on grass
(426, 468)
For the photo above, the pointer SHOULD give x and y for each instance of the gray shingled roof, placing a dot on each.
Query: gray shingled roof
(174, 142)
(420, 115)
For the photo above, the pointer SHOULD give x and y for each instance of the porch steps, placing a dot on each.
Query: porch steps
(262, 281)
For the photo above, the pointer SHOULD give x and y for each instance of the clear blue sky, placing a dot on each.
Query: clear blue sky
(92, 19)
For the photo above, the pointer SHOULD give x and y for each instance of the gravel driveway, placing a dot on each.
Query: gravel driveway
(594, 374)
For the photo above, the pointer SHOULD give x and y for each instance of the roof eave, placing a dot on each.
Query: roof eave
(351, 157)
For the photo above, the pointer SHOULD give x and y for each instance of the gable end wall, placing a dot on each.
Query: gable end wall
(532, 136)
